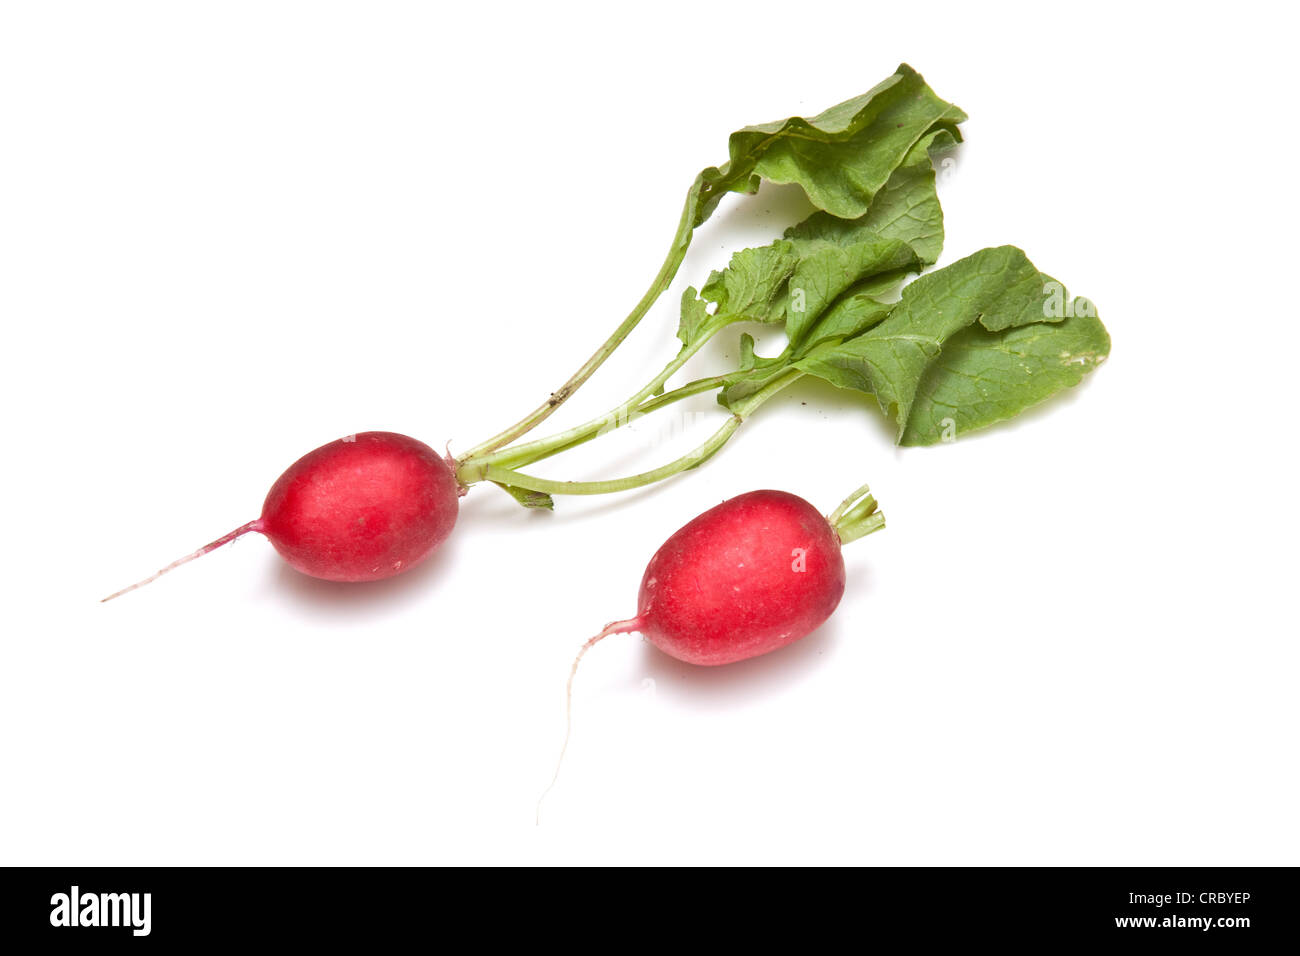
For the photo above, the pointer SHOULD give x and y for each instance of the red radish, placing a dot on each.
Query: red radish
(365, 507)
(745, 578)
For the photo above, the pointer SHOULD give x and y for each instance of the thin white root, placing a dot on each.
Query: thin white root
(224, 539)
(616, 627)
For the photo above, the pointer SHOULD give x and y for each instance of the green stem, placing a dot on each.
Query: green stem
(856, 516)
(860, 529)
(479, 471)
(526, 454)
(688, 461)
(522, 456)
(681, 242)
(848, 503)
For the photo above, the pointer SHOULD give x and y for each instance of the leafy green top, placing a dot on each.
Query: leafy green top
(955, 350)
(841, 157)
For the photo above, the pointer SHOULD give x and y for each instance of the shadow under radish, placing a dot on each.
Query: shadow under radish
(721, 688)
(718, 688)
(360, 600)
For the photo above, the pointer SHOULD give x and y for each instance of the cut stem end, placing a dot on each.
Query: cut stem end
(857, 516)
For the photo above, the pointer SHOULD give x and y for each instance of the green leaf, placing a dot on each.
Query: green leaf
(529, 499)
(695, 315)
(841, 157)
(983, 377)
(907, 208)
(826, 271)
(749, 289)
(748, 381)
(747, 357)
(849, 316)
(754, 372)
(993, 291)
(812, 302)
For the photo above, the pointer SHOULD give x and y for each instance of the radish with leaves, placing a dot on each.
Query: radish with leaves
(960, 348)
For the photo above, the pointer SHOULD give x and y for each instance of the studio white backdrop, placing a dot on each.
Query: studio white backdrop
(232, 232)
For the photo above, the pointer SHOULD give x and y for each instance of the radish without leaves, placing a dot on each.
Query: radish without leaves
(750, 576)
(745, 578)
(362, 508)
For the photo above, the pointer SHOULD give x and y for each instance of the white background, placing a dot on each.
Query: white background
(232, 232)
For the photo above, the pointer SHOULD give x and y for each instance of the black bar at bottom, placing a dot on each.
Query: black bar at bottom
(1231, 907)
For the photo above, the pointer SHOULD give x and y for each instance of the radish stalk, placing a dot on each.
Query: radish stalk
(621, 414)
(692, 459)
(664, 278)
(541, 449)
(856, 517)
(470, 472)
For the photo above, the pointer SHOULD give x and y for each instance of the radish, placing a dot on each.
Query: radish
(745, 578)
(376, 504)
(365, 507)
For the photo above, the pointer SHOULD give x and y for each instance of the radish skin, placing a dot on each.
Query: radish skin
(745, 578)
